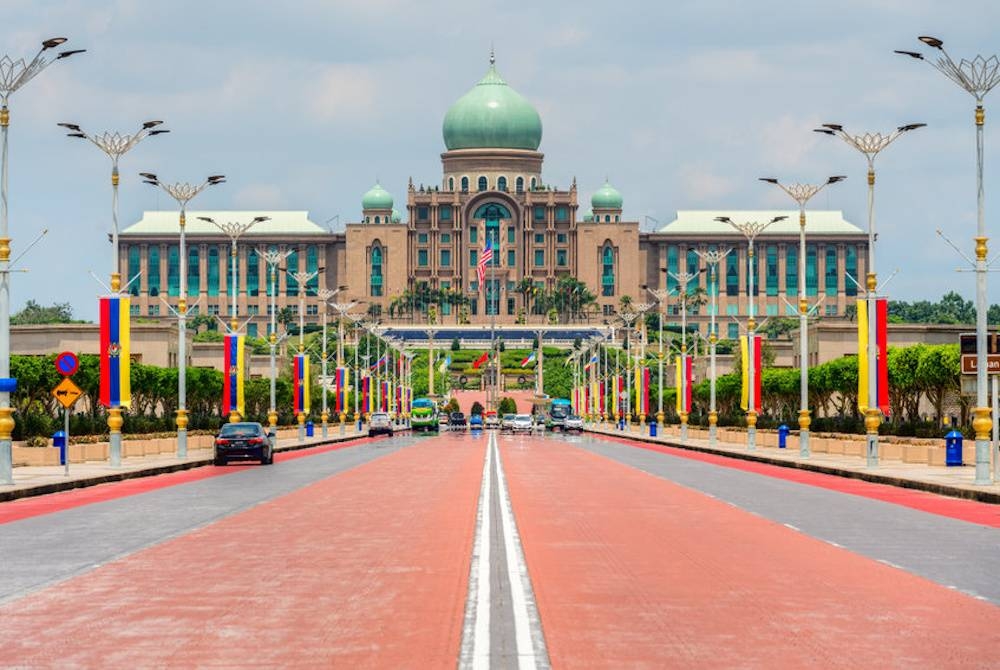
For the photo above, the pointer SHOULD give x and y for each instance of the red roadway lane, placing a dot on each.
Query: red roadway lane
(368, 568)
(630, 570)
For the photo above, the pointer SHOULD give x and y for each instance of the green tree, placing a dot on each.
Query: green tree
(33, 313)
(506, 406)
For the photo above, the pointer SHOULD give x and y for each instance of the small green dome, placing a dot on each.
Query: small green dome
(492, 116)
(377, 198)
(607, 197)
(396, 216)
(588, 217)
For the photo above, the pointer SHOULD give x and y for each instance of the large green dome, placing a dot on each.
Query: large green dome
(377, 198)
(492, 116)
(607, 197)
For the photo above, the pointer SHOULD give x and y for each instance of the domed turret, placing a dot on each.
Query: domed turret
(396, 216)
(588, 217)
(606, 204)
(492, 116)
(377, 198)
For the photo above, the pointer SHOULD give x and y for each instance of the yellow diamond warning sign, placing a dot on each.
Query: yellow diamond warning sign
(66, 392)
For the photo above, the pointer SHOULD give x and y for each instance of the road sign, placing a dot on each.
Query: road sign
(67, 363)
(66, 392)
(969, 364)
(967, 343)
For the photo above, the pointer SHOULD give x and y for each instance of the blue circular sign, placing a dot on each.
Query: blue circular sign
(67, 363)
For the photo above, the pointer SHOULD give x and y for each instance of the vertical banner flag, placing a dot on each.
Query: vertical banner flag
(365, 394)
(682, 376)
(645, 390)
(678, 384)
(881, 371)
(300, 383)
(234, 363)
(604, 404)
(688, 376)
(115, 341)
(617, 393)
(342, 379)
(745, 352)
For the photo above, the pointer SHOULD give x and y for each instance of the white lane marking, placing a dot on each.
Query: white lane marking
(476, 627)
(795, 528)
(530, 640)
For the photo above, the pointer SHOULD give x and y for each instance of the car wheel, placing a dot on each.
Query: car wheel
(220, 460)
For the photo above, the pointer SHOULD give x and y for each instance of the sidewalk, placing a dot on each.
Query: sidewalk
(42, 479)
(955, 481)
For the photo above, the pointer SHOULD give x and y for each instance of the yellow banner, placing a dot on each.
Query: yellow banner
(745, 372)
(862, 354)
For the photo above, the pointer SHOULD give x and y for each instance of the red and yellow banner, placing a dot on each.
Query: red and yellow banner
(300, 384)
(683, 383)
(115, 341)
(881, 354)
(745, 354)
(233, 364)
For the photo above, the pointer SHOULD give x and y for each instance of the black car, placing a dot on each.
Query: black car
(456, 419)
(243, 441)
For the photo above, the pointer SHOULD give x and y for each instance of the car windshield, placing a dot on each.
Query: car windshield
(240, 430)
(380, 416)
(523, 417)
(508, 417)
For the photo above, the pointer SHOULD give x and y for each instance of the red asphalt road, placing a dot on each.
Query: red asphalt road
(630, 570)
(368, 568)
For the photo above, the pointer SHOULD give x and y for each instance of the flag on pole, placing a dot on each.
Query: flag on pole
(484, 260)
(300, 383)
(342, 379)
(590, 363)
(234, 363)
(479, 361)
(530, 358)
(745, 365)
(682, 374)
(881, 360)
(366, 395)
(115, 342)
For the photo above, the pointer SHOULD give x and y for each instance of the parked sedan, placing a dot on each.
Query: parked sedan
(507, 422)
(457, 420)
(521, 422)
(380, 424)
(243, 441)
(573, 423)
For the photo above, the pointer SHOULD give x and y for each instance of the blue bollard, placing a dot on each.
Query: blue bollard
(59, 440)
(953, 448)
(783, 431)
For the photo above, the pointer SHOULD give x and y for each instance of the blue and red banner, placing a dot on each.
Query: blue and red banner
(300, 383)
(366, 406)
(234, 363)
(115, 342)
(342, 383)
(385, 396)
(881, 354)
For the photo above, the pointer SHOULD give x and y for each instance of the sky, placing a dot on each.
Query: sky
(681, 105)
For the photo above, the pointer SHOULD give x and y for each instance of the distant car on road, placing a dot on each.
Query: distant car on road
(522, 422)
(507, 422)
(476, 422)
(243, 441)
(491, 420)
(573, 423)
(380, 424)
(456, 420)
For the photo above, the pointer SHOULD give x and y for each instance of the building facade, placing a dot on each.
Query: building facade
(420, 261)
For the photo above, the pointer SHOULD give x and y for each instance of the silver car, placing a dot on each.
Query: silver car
(380, 424)
(573, 423)
(521, 422)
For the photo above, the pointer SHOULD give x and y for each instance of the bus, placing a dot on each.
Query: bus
(424, 415)
(558, 411)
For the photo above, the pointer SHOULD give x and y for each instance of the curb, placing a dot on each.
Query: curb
(68, 485)
(990, 497)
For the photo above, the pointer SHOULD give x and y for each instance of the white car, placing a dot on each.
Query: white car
(521, 422)
(380, 423)
(573, 423)
(507, 421)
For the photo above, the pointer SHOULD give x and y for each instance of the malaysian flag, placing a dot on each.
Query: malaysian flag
(484, 259)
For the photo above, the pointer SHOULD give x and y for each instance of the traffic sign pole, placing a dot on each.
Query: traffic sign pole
(66, 431)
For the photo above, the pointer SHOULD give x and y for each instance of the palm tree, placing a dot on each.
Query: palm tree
(526, 287)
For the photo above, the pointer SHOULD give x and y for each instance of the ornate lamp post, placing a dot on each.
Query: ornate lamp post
(750, 230)
(661, 295)
(871, 144)
(358, 321)
(802, 193)
(683, 279)
(273, 258)
(302, 279)
(342, 309)
(13, 75)
(324, 294)
(641, 309)
(115, 145)
(628, 317)
(712, 259)
(977, 76)
(183, 193)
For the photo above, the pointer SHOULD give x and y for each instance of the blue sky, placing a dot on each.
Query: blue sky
(681, 105)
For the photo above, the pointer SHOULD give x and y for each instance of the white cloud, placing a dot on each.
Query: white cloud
(261, 196)
(700, 184)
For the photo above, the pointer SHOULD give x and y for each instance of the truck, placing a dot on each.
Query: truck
(559, 409)
(424, 415)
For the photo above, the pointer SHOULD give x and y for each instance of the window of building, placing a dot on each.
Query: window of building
(173, 271)
(491, 214)
(291, 284)
(445, 258)
(771, 270)
(252, 329)
(539, 213)
(253, 310)
(733, 331)
(791, 310)
(510, 234)
(608, 271)
(253, 273)
(539, 258)
(153, 310)
(482, 183)
(772, 310)
(831, 310)
(421, 238)
(851, 268)
(473, 235)
(312, 310)
(510, 305)
(213, 271)
(451, 183)
(153, 271)
(562, 213)
(375, 285)
(474, 307)
(465, 184)
(691, 267)
(733, 273)
(193, 272)
(422, 258)
(312, 267)
(444, 212)
(673, 265)
(213, 310)
(447, 302)
(133, 309)
(608, 310)
(519, 184)
(511, 258)
(561, 238)
(791, 271)
(502, 183)
(378, 219)
(423, 213)
(732, 310)
(561, 258)
(534, 184)
(539, 238)
(473, 257)
(133, 269)
(607, 218)
(445, 238)
(830, 274)
(812, 271)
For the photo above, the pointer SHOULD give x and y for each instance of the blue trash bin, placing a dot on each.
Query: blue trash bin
(59, 440)
(782, 436)
(652, 429)
(953, 448)
(309, 428)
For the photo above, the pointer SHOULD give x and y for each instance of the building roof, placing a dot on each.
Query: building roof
(280, 223)
(376, 198)
(607, 197)
(702, 222)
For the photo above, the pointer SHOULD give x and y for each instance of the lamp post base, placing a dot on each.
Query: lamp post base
(6, 446)
(872, 420)
(182, 435)
(324, 416)
(751, 431)
(115, 437)
(982, 424)
(804, 422)
(684, 426)
(343, 421)
(301, 418)
(628, 422)
(713, 428)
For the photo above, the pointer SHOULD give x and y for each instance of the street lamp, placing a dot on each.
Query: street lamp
(802, 193)
(273, 258)
(183, 193)
(712, 258)
(978, 77)
(115, 145)
(661, 295)
(750, 230)
(871, 144)
(641, 308)
(358, 321)
(324, 294)
(302, 279)
(342, 309)
(682, 279)
(13, 75)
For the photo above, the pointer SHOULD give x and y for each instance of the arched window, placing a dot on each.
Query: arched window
(607, 218)
(608, 271)
(482, 183)
(502, 184)
(378, 219)
(375, 285)
(451, 183)
(533, 182)
(465, 184)
(519, 185)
